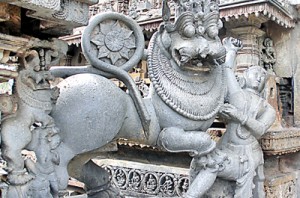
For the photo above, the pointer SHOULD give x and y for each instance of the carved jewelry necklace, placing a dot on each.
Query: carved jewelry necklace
(190, 96)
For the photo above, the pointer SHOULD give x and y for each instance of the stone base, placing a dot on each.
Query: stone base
(281, 186)
(281, 142)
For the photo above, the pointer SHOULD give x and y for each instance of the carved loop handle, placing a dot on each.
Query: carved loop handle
(111, 45)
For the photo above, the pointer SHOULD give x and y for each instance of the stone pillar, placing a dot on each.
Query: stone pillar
(250, 54)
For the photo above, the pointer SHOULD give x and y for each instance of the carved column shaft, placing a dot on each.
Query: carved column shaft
(250, 54)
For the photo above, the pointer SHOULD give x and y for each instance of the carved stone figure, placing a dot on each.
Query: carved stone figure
(185, 62)
(45, 184)
(35, 101)
(187, 67)
(238, 156)
(268, 54)
(135, 180)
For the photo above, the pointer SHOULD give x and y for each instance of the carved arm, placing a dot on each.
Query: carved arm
(232, 46)
(259, 126)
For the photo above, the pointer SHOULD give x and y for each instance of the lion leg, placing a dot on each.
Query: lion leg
(202, 183)
(15, 136)
(175, 139)
(97, 182)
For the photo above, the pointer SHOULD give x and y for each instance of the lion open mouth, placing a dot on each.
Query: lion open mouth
(188, 59)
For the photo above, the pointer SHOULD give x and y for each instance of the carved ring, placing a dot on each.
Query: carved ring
(113, 42)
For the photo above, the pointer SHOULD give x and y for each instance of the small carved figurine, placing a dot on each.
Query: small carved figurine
(238, 156)
(268, 54)
(44, 142)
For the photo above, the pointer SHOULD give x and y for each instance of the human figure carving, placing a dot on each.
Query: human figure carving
(268, 54)
(44, 142)
(238, 156)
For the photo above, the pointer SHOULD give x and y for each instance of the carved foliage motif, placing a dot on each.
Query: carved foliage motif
(52, 4)
(148, 182)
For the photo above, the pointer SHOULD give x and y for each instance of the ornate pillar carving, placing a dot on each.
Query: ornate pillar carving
(250, 54)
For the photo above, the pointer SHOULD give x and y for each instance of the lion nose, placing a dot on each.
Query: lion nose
(203, 52)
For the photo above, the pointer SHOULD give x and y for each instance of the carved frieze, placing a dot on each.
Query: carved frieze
(46, 6)
(264, 11)
(135, 179)
(141, 180)
(55, 15)
(73, 11)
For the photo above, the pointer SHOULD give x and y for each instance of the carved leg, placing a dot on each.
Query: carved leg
(202, 183)
(244, 185)
(14, 139)
(259, 191)
(177, 140)
(61, 171)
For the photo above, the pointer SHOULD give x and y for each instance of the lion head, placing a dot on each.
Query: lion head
(185, 60)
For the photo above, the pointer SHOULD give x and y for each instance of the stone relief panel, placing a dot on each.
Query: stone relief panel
(42, 5)
(73, 11)
(134, 181)
(268, 54)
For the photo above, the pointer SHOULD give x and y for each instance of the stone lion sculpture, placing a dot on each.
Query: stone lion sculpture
(186, 61)
(185, 67)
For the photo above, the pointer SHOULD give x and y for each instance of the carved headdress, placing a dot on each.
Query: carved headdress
(194, 17)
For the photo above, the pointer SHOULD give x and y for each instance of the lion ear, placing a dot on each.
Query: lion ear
(166, 40)
(242, 82)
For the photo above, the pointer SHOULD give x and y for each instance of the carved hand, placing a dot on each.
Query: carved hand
(232, 113)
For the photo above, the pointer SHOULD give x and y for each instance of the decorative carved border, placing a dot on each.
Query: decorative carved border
(143, 180)
(135, 179)
(259, 10)
(281, 142)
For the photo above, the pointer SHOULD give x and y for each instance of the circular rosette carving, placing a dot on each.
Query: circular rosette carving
(112, 41)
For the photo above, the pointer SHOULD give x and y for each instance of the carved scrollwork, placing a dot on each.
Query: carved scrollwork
(47, 3)
(64, 11)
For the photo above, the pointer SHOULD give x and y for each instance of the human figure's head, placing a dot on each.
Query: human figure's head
(255, 78)
(268, 42)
